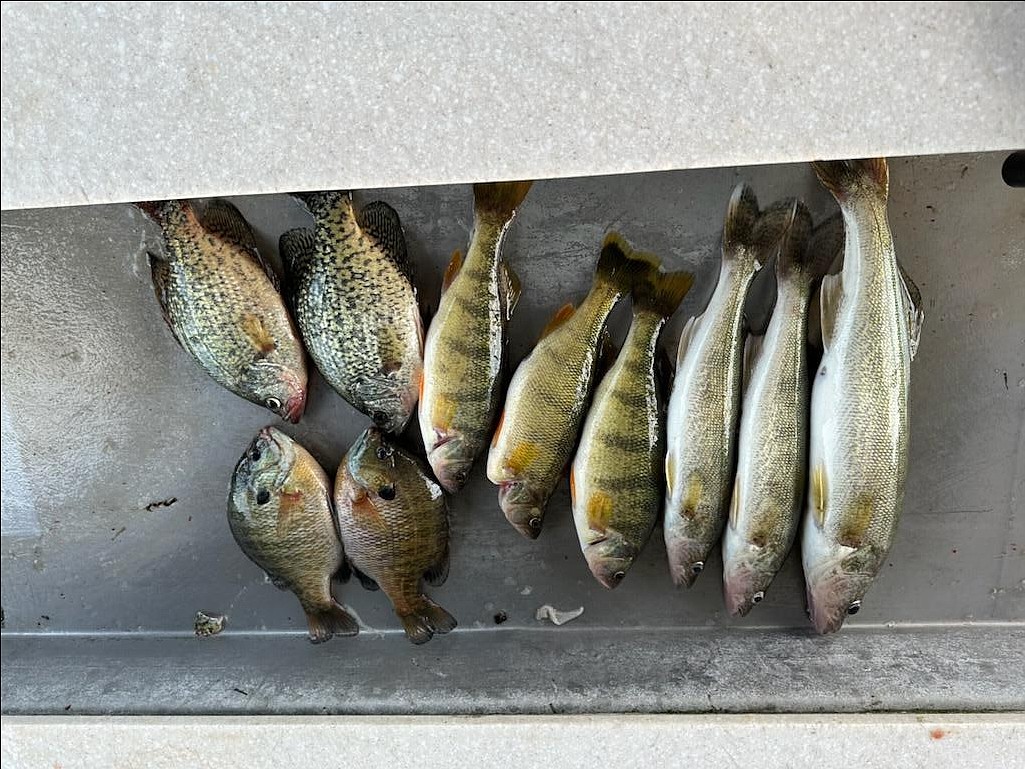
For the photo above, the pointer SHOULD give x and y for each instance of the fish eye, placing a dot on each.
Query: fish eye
(255, 455)
(534, 523)
(262, 497)
(386, 492)
(698, 567)
(461, 477)
(383, 452)
(854, 608)
(618, 576)
(757, 597)
(272, 403)
(380, 418)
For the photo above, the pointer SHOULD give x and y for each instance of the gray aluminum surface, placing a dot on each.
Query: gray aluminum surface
(103, 415)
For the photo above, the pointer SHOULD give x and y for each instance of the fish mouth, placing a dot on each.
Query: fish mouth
(687, 559)
(294, 407)
(526, 518)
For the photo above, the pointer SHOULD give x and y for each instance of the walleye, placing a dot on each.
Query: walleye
(772, 445)
(702, 419)
(548, 394)
(279, 510)
(394, 523)
(465, 350)
(354, 301)
(871, 321)
(221, 302)
(616, 480)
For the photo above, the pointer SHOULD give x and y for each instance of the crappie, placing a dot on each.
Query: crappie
(394, 522)
(354, 302)
(616, 480)
(279, 510)
(858, 450)
(772, 445)
(549, 393)
(703, 406)
(222, 304)
(464, 355)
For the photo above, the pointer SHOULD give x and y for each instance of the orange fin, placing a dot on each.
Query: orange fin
(670, 473)
(572, 487)
(258, 334)
(563, 314)
(443, 413)
(856, 522)
(599, 511)
(735, 503)
(290, 504)
(692, 496)
(454, 265)
(522, 457)
(498, 430)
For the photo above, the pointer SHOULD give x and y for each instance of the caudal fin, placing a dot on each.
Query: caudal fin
(499, 200)
(827, 244)
(662, 292)
(847, 178)
(741, 216)
(426, 620)
(330, 622)
(784, 229)
(623, 266)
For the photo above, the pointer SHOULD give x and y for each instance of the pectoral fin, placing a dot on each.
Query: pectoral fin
(913, 307)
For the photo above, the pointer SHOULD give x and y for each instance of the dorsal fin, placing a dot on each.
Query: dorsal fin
(563, 314)
(381, 222)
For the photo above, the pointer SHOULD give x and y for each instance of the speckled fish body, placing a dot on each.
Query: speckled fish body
(616, 482)
(464, 355)
(279, 510)
(705, 400)
(858, 450)
(393, 519)
(772, 444)
(222, 304)
(549, 393)
(354, 302)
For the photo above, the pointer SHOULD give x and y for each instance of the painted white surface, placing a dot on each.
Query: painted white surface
(111, 102)
(868, 741)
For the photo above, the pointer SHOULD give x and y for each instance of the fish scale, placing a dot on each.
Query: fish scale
(356, 307)
(859, 407)
(221, 304)
(616, 481)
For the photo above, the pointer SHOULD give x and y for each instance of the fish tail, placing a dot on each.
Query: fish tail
(499, 200)
(846, 178)
(334, 620)
(741, 216)
(827, 244)
(662, 292)
(620, 265)
(783, 229)
(425, 620)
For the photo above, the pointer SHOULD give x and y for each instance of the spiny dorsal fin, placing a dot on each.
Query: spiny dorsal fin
(563, 314)
(454, 264)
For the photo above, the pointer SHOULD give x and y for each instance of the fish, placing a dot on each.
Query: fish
(393, 519)
(350, 286)
(464, 355)
(705, 399)
(769, 486)
(550, 391)
(871, 319)
(279, 511)
(616, 478)
(221, 302)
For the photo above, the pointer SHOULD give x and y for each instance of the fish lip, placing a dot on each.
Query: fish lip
(294, 407)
